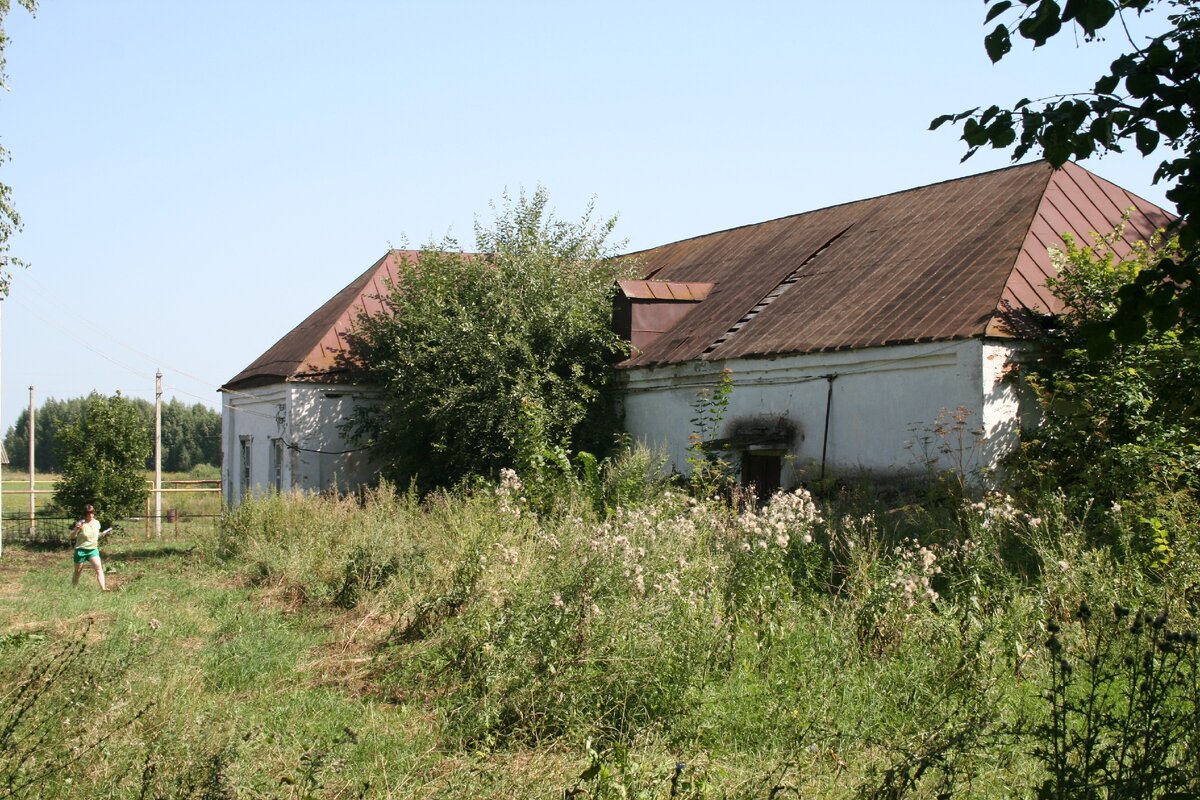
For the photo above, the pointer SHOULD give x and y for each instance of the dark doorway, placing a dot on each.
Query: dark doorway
(761, 471)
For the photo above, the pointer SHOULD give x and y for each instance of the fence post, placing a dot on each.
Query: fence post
(32, 470)
(158, 454)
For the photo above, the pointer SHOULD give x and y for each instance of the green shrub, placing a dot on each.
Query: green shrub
(205, 472)
(487, 359)
(1118, 420)
(103, 454)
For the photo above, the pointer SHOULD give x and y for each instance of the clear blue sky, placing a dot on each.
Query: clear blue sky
(196, 178)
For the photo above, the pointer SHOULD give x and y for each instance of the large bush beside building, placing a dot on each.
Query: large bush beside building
(494, 358)
(1119, 420)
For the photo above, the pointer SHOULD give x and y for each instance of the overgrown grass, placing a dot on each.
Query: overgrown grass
(466, 646)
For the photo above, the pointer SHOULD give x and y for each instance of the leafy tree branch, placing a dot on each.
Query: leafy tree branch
(10, 220)
(1148, 99)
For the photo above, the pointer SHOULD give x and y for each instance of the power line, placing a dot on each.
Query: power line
(37, 289)
(53, 322)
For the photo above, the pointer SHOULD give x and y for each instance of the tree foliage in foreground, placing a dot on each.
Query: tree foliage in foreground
(492, 359)
(10, 221)
(104, 459)
(1148, 98)
(1117, 424)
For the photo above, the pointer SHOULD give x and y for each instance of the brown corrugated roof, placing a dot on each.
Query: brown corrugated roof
(310, 351)
(665, 290)
(939, 262)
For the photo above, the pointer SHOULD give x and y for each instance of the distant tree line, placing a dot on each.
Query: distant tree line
(191, 434)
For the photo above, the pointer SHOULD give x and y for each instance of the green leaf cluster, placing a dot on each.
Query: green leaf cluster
(10, 220)
(191, 434)
(104, 455)
(1119, 420)
(491, 359)
(1148, 98)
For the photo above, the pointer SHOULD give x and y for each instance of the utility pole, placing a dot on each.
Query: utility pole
(158, 453)
(32, 479)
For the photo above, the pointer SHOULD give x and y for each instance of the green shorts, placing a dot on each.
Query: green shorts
(82, 555)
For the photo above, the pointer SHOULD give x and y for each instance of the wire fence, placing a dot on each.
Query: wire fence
(197, 508)
(56, 530)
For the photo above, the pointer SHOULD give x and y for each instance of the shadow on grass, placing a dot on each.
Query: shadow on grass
(38, 545)
(147, 552)
(115, 551)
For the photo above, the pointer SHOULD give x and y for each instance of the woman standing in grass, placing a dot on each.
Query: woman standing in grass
(87, 546)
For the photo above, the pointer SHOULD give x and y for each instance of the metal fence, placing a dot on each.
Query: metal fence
(56, 530)
(199, 511)
(45, 530)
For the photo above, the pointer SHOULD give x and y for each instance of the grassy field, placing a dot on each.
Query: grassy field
(19, 482)
(211, 684)
(475, 646)
(192, 668)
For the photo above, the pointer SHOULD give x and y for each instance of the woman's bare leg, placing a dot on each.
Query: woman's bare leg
(99, 572)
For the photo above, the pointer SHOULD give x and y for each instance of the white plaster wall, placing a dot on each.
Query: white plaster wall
(308, 417)
(1007, 409)
(323, 458)
(259, 413)
(882, 399)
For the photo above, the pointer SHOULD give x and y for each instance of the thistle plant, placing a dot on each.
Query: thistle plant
(1124, 715)
(772, 555)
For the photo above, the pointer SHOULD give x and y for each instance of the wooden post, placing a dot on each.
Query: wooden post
(158, 453)
(32, 469)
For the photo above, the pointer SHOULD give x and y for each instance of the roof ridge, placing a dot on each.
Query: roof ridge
(973, 176)
(998, 310)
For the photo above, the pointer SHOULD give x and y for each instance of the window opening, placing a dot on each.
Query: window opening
(245, 465)
(277, 464)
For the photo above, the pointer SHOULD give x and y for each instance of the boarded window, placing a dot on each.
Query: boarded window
(762, 472)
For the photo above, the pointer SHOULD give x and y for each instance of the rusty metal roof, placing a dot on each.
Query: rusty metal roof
(935, 263)
(665, 290)
(940, 262)
(311, 350)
